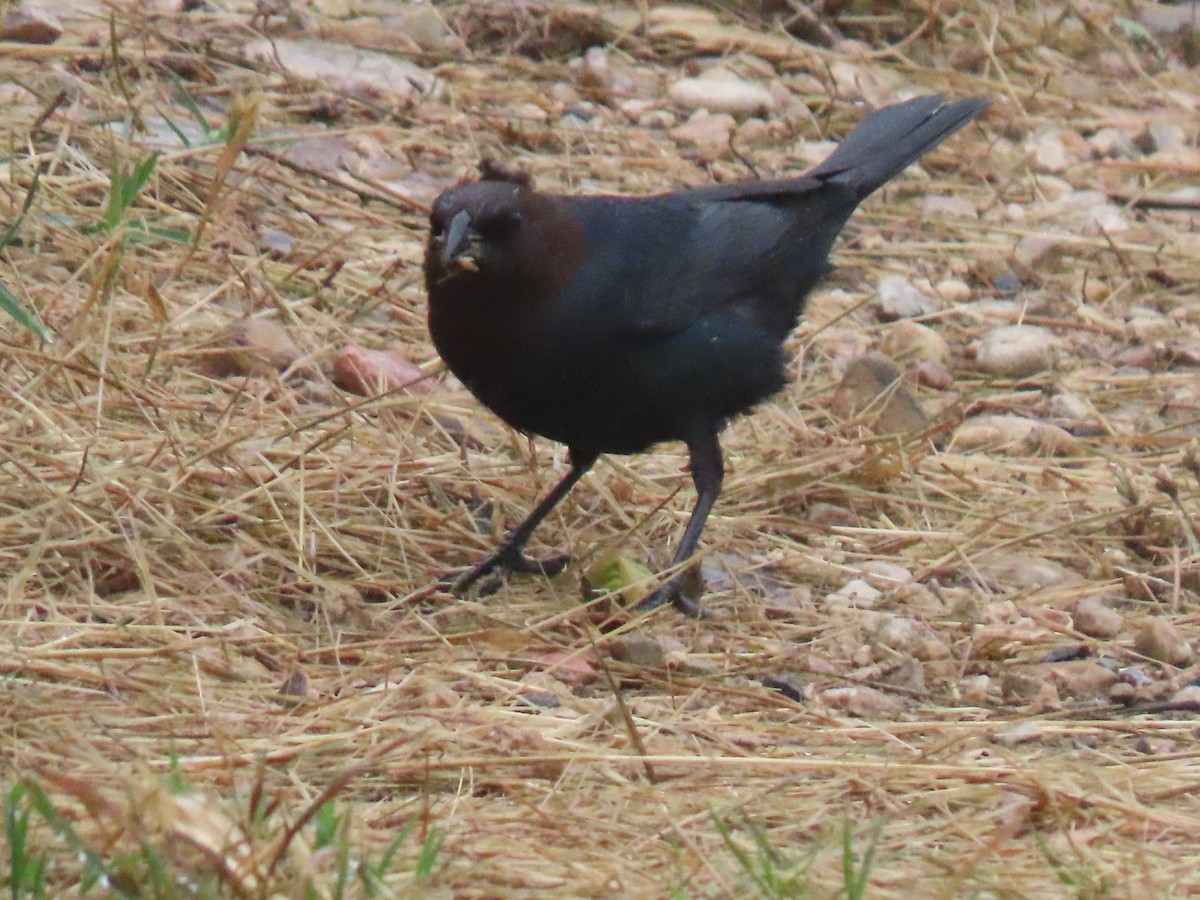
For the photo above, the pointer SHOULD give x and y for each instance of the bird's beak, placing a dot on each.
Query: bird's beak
(456, 237)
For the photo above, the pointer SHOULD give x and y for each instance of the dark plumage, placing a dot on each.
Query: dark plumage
(612, 323)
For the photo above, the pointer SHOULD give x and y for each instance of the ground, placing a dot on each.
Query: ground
(953, 615)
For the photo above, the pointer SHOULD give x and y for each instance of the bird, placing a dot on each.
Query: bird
(613, 323)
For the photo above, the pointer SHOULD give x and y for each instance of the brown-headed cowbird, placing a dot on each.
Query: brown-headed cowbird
(613, 323)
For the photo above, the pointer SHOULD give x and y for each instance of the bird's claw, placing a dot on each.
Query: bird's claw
(494, 571)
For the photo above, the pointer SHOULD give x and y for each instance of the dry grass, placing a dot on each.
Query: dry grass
(228, 583)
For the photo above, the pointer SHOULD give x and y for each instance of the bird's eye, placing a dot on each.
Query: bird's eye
(501, 227)
(436, 229)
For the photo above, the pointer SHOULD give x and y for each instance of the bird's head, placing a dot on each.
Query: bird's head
(476, 227)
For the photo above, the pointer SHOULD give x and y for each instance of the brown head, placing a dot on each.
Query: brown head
(496, 237)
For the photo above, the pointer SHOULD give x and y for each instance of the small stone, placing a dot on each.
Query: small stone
(860, 700)
(1007, 282)
(1015, 434)
(1163, 137)
(906, 340)
(856, 594)
(872, 386)
(1112, 143)
(974, 689)
(1016, 351)
(1094, 618)
(1135, 675)
(1122, 692)
(1069, 406)
(1024, 571)
(30, 24)
(1089, 212)
(1041, 251)
(707, 133)
(1188, 695)
(1022, 733)
(1021, 684)
(371, 373)
(660, 119)
(1095, 291)
(720, 91)
(882, 573)
(252, 346)
(898, 298)
(953, 290)
(906, 673)
(938, 205)
(931, 375)
(1082, 679)
(1047, 152)
(364, 74)
(908, 636)
(1147, 326)
(753, 132)
(1159, 639)
(424, 25)
(637, 650)
(277, 244)
(594, 76)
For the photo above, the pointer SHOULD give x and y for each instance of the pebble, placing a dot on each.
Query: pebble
(637, 650)
(931, 375)
(952, 290)
(594, 75)
(898, 298)
(872, 385)
(907, 340)
(1159, 639)
(1095, 618)
(1112, 143)
(753, 132)
(974, 689)
(1162, 137)
(856, 594)
(884, 574)
(26, 23)
(1022, 733)
(909, 636)
(252, 346)
(1069, 406)
(661, 119)
(1040, 251)
(1021, 683)
(1016, 351)
(1088, 212)
(1024, 571)
(1122, 692)
(707, 133)
(1015, 433)
(1047, 152)
(720, 91)
(940, 205)
(363, 74)
(370, 373)
(425, 26)
(860, 700)
(1082, 679)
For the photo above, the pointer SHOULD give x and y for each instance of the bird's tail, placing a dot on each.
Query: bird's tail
(887, 141)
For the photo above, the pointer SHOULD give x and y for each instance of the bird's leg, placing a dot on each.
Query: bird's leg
(510, 556)
(708, 470)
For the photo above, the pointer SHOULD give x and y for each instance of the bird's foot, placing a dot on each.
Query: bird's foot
(494, 571)
(684, 596)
